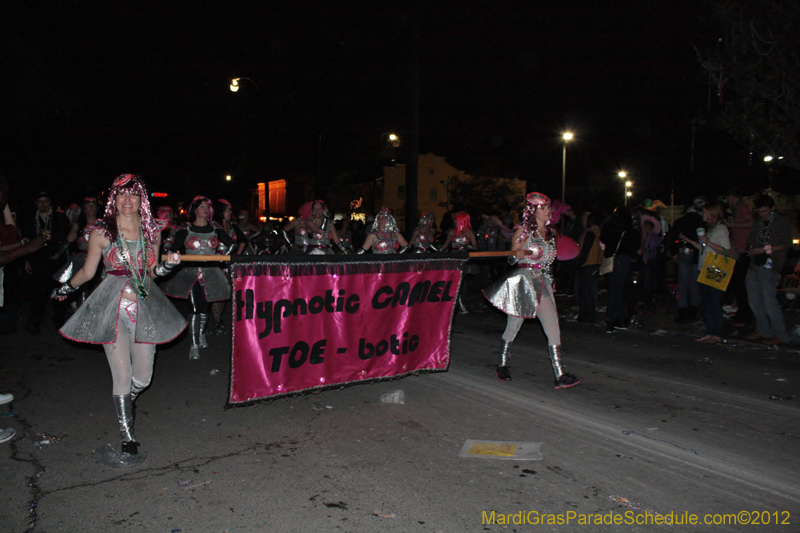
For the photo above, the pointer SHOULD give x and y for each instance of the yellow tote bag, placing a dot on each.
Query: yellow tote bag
(717, 271)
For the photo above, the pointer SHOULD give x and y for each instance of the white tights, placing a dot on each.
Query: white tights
(547, 315)
(131, 362)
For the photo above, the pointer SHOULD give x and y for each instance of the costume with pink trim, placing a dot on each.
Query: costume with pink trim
(199, 240)
(96, 321)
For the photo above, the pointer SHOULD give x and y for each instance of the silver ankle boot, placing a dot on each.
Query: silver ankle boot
(502, 371)
(563, 380)
(203, 342)
(124, 408)
(194, 324)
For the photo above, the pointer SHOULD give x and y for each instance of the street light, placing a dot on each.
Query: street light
(234, 86)
(567, 136)
(228, 177)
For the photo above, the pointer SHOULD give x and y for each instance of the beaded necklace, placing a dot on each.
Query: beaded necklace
(43, 228)
(140, 283)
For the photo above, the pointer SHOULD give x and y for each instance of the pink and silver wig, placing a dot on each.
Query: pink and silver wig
(196, 201)
(130, 183)
(534, 201)
(427, 219)
(391, 223)
(463, 223)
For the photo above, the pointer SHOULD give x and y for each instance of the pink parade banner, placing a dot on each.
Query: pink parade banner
(311, 325)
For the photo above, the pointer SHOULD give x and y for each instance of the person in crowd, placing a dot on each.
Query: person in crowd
(11, 249)
(740, 222)
(621, 240)
(527, 291)
(715, 239)
(41, 265)
(424, 237)
(686, 259)
(567, 270)
(650, 256)
(384, 237)
(201, 285)
(86, 221)
(126, 313)
(769, 241)
(589, 259)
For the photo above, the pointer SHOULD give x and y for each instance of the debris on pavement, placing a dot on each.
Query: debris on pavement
(780, 398)
(507, 450)
(396, 396)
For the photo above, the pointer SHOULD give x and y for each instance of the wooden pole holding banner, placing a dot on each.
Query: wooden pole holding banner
(215, 258)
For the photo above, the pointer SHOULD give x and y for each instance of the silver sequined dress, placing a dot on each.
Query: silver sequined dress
(214, 283)
(519, 292)
(97, 320)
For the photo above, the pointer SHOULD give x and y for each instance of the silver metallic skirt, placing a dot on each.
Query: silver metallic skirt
(97, 320)
(519, 292)
(215, 284)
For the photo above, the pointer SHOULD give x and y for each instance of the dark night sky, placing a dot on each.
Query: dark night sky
(90, 92)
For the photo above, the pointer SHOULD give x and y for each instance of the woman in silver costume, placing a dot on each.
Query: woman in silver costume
(126, 313)
(424, 234)
(313, 230)
(384, 237)
(222, 216)
(461, 238)
(527, 291)
(202, 285)
(87, 221)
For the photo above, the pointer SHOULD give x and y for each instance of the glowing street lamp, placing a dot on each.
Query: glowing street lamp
(628, 184)
(228, 177)
(567, 136)
(234, 86)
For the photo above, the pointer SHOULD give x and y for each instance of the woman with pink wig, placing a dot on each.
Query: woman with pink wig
(461, 238)
(126, 313)
(527, 291)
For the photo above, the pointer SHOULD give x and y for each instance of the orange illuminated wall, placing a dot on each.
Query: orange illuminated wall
(277, 196)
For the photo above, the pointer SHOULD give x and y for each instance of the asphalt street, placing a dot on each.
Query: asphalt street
(659, 425)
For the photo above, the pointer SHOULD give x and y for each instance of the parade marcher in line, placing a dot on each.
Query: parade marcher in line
(43, 264)
(321, 231)
(298, 245)
(527, 291)
(769, 242)
(201, 284)
(740, 223)
(86, 223)
(222, 216)
(126, 313)
(461, 238)
(424, 236)
(344, 230)
(715, 239)
(384, 236)
(166, 214)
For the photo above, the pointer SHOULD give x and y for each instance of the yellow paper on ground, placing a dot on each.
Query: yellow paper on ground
(491, 449)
